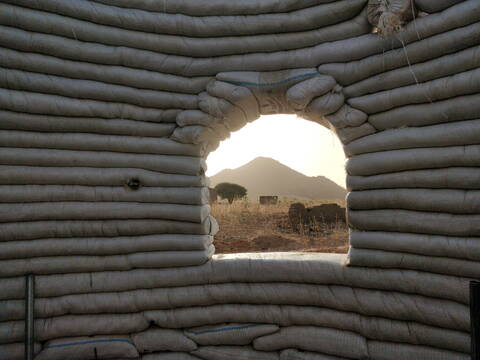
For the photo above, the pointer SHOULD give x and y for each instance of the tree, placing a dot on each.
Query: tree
(230, 191)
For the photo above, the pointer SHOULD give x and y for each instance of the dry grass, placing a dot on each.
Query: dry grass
(250, 227)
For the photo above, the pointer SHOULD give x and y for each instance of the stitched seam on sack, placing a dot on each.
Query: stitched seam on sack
(274, 83)
(222, 329)
(88, 342)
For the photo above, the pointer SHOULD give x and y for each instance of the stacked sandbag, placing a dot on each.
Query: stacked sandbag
(108, 110)
(244, 306)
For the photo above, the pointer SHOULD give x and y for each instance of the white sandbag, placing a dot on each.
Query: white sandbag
(459, 108)
(239, 96)
(169, 356)
(456, 317)
(195, 117)
(394, 351)
(464, 83)
(218, 7)
(379, 328)
(71, 210)
(323, 340)
(94, 142)
(93, 90)
(402, 307)
(299, 95)
(16, 351)
(233, 352)
(394, 260)
(348, 134)
(157, 339)
(91, 176)
(293, 354)
(42, 123)
(270, 88)
(77, 228)
(229, 334)
(38, 21)
(447, 178)
(69, 326)
(89, 348)
(415, 222)
(302, 268)
(102, 245)
(413, 159)
(346, 116)
(185, 165)
(197, 134)
(59, 193)
(435, 200)
(439, 44)
(325, 105)
(431, 6)
(160, 23)
(232, 116)
(356, 48)
(441, 135)
(137, 78)
(67, 264)
(47, 104)
(429, 70)
(467, 248)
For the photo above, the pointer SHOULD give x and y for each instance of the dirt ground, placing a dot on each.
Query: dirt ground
(251, 227)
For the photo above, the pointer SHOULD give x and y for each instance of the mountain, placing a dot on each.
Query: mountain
(266, 176)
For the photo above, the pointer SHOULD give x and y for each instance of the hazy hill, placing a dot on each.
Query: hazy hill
(266, 176)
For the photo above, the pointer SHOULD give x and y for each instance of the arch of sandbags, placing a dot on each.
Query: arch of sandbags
(108, 110)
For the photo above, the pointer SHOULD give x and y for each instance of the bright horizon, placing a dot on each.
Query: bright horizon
(302, 145)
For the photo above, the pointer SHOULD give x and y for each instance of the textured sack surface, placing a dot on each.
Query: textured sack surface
(249, 268)
(441, 265)
(292, 354)
(66, 264)
(88, 325)
(155, 339)
(229, 334)
(233, 352)
(88, 348)
(430, 245)
(169, 356)
(16, 351)
(392, 351)
(323, 340)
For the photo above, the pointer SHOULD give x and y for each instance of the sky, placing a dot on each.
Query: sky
(302, 145)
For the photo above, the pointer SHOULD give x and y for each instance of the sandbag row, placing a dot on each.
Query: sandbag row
(344, 10)
(227, 23)
(109, 74)
(96, 142)
(440, 265)
(298, 268)
(77, 193)
(401, 307)
(354, 48)
(93, 90)
(239, 340)
(35, 230)
(45, 123)
(14, 175)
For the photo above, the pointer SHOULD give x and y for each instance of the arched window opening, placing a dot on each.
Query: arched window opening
(289, 167)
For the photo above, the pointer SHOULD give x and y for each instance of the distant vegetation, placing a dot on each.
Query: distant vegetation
(230, 191)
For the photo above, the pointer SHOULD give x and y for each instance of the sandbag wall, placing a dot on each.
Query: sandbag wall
(108, 110)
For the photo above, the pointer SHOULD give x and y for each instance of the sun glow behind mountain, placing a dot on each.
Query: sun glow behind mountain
(302, 145)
